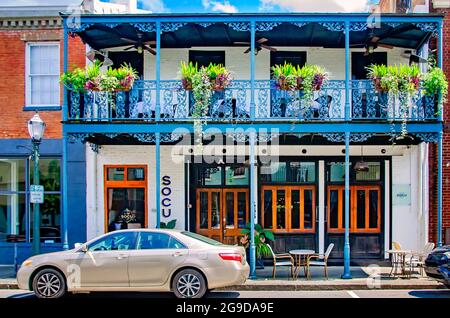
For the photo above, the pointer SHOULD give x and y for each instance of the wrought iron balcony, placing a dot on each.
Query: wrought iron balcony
(234, 103)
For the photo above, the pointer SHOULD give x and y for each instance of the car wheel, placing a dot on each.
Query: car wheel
(49, 283)
(189, 283)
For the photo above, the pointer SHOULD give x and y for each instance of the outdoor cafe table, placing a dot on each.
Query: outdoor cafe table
(399, 259)
(301, 258)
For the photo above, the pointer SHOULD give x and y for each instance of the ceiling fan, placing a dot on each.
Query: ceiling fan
(259, 45)
(371, 44)
(413, 58)
(93, 55)
(139, 44)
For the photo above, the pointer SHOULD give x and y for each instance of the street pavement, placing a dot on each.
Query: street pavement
(377, 293)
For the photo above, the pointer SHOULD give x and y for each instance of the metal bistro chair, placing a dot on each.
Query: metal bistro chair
(396, 259)
(283, 259)
(417, 260)
(322, 260)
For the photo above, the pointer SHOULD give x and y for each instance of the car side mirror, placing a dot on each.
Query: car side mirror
(83, 248)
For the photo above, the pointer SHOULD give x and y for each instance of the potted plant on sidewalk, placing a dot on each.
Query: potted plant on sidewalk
(262, 236)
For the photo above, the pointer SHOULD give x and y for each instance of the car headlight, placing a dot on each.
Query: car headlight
(27, 263)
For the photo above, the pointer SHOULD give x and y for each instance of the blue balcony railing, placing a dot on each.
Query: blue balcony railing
(176, 104)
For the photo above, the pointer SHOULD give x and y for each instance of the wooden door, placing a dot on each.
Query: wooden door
(221, 213)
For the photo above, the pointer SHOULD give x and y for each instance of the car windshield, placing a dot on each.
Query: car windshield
(201, 238)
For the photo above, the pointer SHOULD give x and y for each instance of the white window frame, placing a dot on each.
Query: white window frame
(28, 75)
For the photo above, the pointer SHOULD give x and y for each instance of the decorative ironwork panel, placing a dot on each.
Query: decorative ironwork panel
(171, 26)
(77, 137)
(145, 27)
(78, 27)
(111, 25)
(358, 26)
(144, 137)
(120, 105)
(266, 26)
(393, 24)
(333, 26)
(74, 105)
(428, 27)
(239, 26)
(360, 137)
(94, 147)
(334, 137)
(204, 24)
(111, 136)
(299, 24)
(428, 137)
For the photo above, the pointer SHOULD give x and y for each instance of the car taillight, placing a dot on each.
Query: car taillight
(231, 257)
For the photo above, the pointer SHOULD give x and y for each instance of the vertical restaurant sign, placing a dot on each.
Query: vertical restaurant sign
(166, 193)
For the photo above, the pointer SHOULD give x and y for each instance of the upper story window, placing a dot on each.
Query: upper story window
(42, 74)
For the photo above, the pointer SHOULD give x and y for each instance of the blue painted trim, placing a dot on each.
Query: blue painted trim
(65, 193)
(440, 56)
(280, 127)
(158, 179)
(158, 72)
(347, 70)
(65, 68)
(260, 17)
(439, 207)
(347, 274)
(41, 108)
(252, 206)
(252, 69)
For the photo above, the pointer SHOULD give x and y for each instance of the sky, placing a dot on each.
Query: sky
(243, 6)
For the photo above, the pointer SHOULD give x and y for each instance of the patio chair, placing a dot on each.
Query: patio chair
(279, 260)
(417, 260)
(396, 260)
(322, 260)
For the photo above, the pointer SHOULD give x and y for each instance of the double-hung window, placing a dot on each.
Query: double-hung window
(42, 74)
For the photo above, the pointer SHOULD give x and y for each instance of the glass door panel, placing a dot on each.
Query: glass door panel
(295, 209)
(242, 203)
(281, 209)
(229, 210)
(308, 211)
(203, 206)
(215, 210)
(374, 206)
(268, 209)
(360, 208)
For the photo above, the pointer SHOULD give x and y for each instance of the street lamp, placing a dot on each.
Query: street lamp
(36, 128)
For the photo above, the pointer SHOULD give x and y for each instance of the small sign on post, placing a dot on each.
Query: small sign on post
(36, 194)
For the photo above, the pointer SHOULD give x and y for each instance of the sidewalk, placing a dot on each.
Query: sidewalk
(360, 280)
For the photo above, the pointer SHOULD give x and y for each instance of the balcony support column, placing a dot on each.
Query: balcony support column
(252, 69)
(347, 274)
(347, 70)
(439, 177)
(252, 206)
(65, 111)
(158, 178)
(158, 72)
(440, 57)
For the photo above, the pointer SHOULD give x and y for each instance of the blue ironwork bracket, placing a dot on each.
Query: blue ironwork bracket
(393, 24)
(145, 27)
(111, 25)
(150, 137)
(428, 27)
(333, 26)
(204, 24)
(239, 26)
(77, 137)
(359, 137)
(334, 137)
(94, 147)
(111, 136)
(428, 137)
(78, 27)
(266, 26)
(299, 24)
(171, 26)
(358, 26)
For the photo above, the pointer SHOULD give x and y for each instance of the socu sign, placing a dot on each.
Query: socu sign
(166, 192)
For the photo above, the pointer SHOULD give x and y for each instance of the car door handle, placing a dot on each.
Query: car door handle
(177, 254)
(122, 256)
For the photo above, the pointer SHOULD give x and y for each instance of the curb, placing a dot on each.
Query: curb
(300, 287)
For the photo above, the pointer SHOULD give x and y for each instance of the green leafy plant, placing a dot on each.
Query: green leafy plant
(261, 237)
(169, 225)
(435, 83)
(285, 77)
(74, 80)
(187, 73)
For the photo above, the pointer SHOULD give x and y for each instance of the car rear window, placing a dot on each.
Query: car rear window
(202, 238)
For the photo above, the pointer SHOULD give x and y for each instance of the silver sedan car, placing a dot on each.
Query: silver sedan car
(185, 263)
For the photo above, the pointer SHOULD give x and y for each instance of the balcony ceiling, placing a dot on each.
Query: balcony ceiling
(404, 35)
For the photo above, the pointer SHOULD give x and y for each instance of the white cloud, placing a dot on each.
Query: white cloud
(154, 6)
(217, 6)
(315, 5)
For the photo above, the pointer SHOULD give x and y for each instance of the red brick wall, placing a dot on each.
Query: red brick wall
(12, 86)
(446, 149)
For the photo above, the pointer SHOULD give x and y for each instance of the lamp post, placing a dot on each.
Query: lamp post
(36, 128)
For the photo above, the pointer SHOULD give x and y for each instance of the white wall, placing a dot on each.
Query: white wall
(409, 225)
(239, 63)
(129, 155)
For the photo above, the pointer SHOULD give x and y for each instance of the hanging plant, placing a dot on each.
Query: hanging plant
(74, 80)
(187, 72)
(435, 85)
(219, 76)
(285, 77)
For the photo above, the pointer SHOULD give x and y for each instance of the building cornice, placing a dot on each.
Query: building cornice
(441, 4)
(24, 23)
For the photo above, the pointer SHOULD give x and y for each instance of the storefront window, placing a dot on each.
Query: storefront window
(236, 176)
(302, 172)
(16, 216)
(126, 189)
(209, 176)
(289, 172)
(374, 173)
(337, 172)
